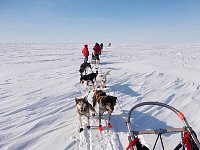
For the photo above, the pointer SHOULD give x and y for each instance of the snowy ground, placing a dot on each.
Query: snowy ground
(39, 83)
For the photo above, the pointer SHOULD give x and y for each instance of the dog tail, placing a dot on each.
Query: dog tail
(107, 72)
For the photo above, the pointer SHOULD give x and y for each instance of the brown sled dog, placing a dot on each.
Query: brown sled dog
(106, 103)
(83, 108)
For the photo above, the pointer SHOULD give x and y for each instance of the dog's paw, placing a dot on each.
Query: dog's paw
(109, 125)
(88, 127)
(100, 128)
(80, 130)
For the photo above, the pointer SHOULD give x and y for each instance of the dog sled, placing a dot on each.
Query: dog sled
(95, 59)
(188, 140)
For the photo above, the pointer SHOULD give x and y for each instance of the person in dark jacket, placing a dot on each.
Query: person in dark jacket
(85, 53)
(101, 46)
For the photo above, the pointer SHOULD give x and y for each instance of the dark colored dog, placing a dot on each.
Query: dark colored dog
(89, 78)
(106, 103)
(84, 67)
(83, 109)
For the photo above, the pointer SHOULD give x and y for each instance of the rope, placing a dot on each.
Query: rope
(159, 136)
(161, 142)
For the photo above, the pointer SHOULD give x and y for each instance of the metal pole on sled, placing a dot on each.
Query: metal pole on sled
(177, 112)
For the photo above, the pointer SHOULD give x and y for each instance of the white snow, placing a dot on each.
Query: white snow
(39, 83)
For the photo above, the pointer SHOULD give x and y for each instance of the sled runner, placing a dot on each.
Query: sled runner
(189, 139)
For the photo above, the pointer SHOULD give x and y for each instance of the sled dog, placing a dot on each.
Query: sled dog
(83, 108)
(84, 66)
(101, 79)
(106, 103)
(89, 78)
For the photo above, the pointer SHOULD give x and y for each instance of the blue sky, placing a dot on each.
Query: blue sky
(100, 20)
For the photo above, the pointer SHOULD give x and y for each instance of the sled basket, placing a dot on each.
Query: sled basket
(189, 138)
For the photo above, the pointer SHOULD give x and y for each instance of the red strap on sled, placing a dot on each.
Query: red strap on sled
(181, 115)
(132, 143)
(187, 143)
(186, 140)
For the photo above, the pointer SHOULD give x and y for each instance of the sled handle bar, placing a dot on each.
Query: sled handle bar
(177, 112)
(157, 131)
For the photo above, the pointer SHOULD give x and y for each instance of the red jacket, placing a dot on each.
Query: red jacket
(85, 51)
(97, 49)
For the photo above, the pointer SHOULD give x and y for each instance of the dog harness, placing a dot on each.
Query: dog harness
(101, 104)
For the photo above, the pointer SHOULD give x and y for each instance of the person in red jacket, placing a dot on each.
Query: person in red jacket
(85, 53)
(97, 50)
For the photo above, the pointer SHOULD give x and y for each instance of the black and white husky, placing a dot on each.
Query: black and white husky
(83, 109)
(89, 78)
